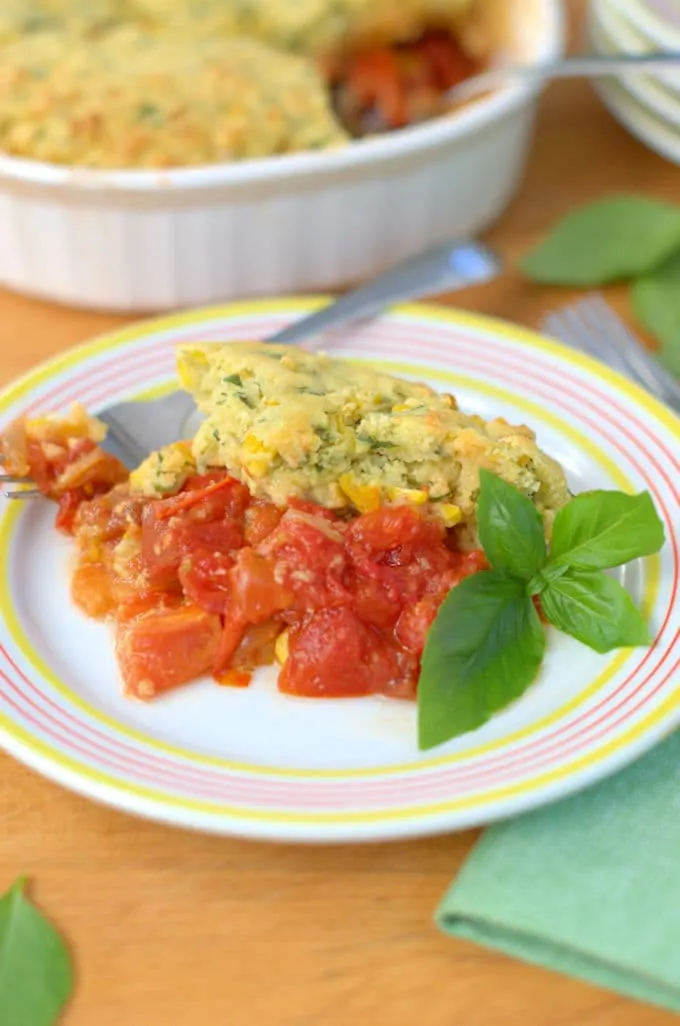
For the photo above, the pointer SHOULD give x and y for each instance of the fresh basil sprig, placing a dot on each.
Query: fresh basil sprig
(614, 238)
(36, 976)
(655, 299)
(487, 642)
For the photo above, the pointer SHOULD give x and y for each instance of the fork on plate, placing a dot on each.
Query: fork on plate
(594, 327)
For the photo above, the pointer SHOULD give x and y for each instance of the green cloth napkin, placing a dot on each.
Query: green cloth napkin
(589, 887)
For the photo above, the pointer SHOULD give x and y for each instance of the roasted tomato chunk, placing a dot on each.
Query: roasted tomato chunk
(335, 655)
(206, 518)
(165, 648)
(311, 561)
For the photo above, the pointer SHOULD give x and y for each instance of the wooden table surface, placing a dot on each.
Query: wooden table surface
(185, 930)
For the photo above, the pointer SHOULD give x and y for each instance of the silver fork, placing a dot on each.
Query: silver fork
(594, 327)
(137, 428)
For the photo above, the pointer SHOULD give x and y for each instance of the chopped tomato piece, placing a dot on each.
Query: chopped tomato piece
(400, 550)
(75, 464)
(316, 511)
(260, 520)
(230, 639)
(374, 80)
(139, 604)
(166, 540)
(310, 560)
(256, 592)
(205, 580)
(224, 497)
(257, 646)
(374, 604)
(91, 589)
(448, 64)
(335, 655)
(166, 648)
(415, 621)
(234, 679)
(68, 507)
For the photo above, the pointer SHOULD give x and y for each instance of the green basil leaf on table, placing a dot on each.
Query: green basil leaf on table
(656, 303)
(36, 976)
(482, 652)
(510, 528)
(601, 529)
(595, 609)
(611, 239)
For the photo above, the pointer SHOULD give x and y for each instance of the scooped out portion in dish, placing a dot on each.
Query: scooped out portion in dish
(318, 519)
(159, 84)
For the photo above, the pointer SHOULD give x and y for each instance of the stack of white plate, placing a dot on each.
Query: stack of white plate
(649, 107)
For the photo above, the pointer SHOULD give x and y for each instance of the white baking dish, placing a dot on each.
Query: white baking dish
(142, 240)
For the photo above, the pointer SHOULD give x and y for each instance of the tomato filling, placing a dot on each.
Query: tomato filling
(388, 87)
(213, 580)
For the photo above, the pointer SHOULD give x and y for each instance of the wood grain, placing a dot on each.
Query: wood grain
(185, 930)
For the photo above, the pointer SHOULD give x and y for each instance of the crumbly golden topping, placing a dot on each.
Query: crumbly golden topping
(175, 104)
(166, 83)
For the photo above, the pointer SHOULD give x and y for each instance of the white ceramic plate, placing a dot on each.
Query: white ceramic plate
(610, 33)
(260, 764)
(639, 120)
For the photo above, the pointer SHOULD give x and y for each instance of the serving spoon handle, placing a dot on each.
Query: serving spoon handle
(445, 268)
(583, 66)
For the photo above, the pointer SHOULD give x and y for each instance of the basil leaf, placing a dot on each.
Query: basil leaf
(613, 238)
(36, 977)
(594, 609)
(482, 652)
(600, 529)
(510, 528)
(656, 303)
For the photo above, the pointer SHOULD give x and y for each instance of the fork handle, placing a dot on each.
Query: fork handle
(446, 268)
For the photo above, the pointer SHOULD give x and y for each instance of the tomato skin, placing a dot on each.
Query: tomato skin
(166, 648)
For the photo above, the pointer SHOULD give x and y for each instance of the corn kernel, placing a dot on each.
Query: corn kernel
(366, 498)
(450, 514)
(281, 649)
(411, 496)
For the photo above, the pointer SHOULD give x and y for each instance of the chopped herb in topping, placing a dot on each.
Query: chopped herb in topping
(234, 379)
(216, 435)
(306, 390)
(324, 434)
(150, 112)
(246, 400)
(376, 443)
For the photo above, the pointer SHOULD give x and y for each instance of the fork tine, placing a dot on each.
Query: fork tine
(593, 326)
(23, 493)
(631, 355)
